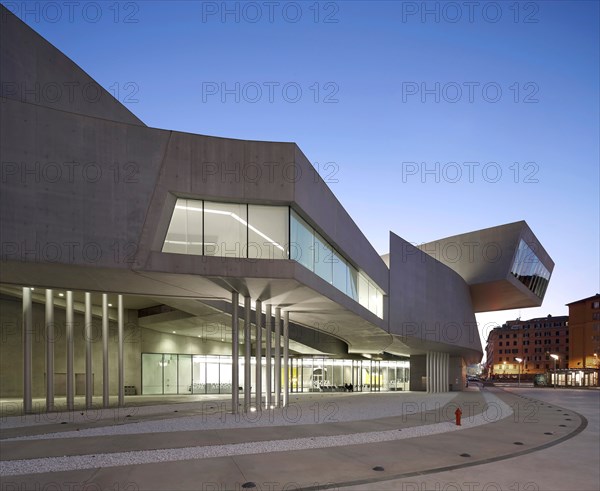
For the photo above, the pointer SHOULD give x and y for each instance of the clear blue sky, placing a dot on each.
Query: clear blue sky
(367, 60)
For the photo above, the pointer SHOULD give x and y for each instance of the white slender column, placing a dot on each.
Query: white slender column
(49, 350)
(235, 367)
(438, 370)
(247, 353)
(278, 357)
(70, 352)
(446, 360)
(286, 358)
(435, 370)
(27, 335)
(440, 367)
(428, 371)
(258, 355)
(121, 322)
(105, 392)
(268, 327)
(89, 381)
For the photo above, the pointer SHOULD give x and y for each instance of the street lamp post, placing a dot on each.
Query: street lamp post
(554, 357)
(520, 360)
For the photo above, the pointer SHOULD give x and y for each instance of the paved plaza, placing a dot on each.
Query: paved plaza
(515, 439)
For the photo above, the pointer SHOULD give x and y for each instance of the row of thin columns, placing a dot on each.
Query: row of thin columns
(437, 371)
(69, 330)
(273, 356)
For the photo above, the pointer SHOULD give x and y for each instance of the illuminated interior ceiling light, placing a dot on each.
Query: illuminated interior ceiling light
(232, 215)
(182, 242)
(246, 224)
(61, 294)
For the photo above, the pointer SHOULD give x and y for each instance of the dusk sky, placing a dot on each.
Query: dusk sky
(497, 101)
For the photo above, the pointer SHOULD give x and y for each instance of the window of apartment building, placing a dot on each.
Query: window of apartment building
(500, 343)
(499, 336)
(514, 343)
(499, 351)
(596, 316)
(525, 350)
(537, 365)
(514, 335)
(596, 305)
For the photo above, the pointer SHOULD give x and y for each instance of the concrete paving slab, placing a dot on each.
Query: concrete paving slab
(403, 460)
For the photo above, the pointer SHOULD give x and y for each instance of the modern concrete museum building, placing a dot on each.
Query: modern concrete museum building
(143, 260)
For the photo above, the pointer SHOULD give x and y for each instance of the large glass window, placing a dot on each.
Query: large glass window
(323, 259)
(352, 283)
(211, 374)
(529, 270)
(184, 375)
(185, 230)
(199, 375)
(363, 290)
(225, 229)
(169, 374)
(267, 232)
(340, 272)
(302, 241)
(152, 365)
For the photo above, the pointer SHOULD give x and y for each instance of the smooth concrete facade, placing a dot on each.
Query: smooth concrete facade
(88, 196)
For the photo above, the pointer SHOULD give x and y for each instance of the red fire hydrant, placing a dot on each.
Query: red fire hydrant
(458, 414)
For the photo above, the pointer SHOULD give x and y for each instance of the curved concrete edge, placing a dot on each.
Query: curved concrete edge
(582, 426)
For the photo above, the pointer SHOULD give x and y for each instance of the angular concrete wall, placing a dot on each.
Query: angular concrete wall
(34, 71)
(432, 305)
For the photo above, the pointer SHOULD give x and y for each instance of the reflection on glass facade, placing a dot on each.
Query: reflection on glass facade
(201, 227)
(164, 373)
(529, 270)
(311, 250)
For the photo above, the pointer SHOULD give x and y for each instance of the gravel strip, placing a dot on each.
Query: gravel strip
(56, 464)
(300, 411)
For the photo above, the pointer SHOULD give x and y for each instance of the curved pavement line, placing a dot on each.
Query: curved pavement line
(138, 457)
(582, 426)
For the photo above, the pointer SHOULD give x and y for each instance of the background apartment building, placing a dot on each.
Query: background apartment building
(532, 341)
(584, 326)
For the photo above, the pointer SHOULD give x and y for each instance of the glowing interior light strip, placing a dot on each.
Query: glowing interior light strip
(235, 217)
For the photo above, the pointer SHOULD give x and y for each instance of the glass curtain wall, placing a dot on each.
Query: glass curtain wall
(311, 250)
(201, 227)
(211, 374)
(529, 270)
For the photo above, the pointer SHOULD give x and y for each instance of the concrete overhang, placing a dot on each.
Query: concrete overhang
(311, 302)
